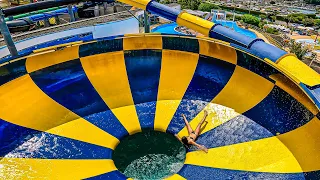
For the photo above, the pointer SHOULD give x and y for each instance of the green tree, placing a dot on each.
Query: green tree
(317, 22)
(249, 19)
(287, 20)
(298, 49)
(190, 4)
(272, 31)
(261, 24)
(263, 16)
(207, 7)
(308, 22)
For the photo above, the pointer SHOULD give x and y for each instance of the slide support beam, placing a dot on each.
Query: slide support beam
(7, 36)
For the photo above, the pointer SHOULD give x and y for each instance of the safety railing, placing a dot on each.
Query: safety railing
(271, 39)
(265, 34)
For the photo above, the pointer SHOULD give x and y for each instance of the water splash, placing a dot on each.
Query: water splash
(154, 166)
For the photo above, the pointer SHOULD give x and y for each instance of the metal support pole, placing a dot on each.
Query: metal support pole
(70, 11)
(96, 11)
(6, 35)
(146, 22)
(105, 7)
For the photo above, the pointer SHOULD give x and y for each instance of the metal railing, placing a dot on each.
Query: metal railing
(267, 35)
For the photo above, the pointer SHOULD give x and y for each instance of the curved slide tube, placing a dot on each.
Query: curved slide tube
(24, 24)
(64, 111)
(31, 13)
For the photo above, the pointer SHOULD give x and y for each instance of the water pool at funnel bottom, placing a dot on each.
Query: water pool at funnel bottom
(149, 155)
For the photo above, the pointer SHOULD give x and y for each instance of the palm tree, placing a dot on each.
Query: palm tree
(298, 49)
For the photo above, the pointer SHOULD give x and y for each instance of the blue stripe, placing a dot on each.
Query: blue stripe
(11, 136)
(143, 70)
(313, 175)
(279, 112)
(181, 44)
(210, 77)
(163, 10)
(222, 33)
(44, 145)
(146, 113)
(264, 50)
(238, 47)
(254, 65)
(12, 71)
(237, 130)
(100, 47)
(68, 85)
(113, 175)
(192, 172)
(313, 92)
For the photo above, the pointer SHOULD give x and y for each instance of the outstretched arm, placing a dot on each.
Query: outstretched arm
(185, 119)
(201, 147)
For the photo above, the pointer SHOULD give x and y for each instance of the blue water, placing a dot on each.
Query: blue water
(307, 41)
(303, 11)
(169, 28)
(233, 25)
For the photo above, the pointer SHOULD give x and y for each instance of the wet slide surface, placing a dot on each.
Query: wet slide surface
(64, 112)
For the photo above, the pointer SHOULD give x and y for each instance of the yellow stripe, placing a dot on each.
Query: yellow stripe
(177, 69)
(217, 115)
(24, 104)
(108, 75)
(175, 177)
(142, 42)
(83, 130)
(304, 143)
(299, 70)
(196, 23)
(287, 85)
(265, 155)
(283, 70)
(35, 63)
(21, 168)
(127, 115)
(218, 51)
(142, 4)
(243, 86)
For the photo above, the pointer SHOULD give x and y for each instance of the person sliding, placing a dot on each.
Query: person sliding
(193, 135)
